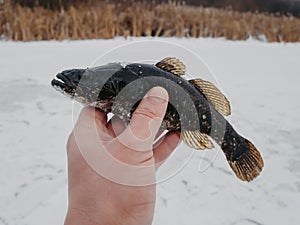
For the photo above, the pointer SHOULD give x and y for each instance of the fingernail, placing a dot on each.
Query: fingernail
(158, 94)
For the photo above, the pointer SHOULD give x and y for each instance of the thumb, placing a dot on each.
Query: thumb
(146, 120)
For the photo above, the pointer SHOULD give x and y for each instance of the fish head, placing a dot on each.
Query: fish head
(89, 86)
(67, 81)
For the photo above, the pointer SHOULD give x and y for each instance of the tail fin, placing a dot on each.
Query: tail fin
(248, 164)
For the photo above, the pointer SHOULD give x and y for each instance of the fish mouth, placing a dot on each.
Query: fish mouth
(62, 83)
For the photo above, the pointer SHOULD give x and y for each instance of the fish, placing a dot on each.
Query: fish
(196, 107)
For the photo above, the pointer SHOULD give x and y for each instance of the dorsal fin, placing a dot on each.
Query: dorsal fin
(172, 65)
(214, 95)
(197, 140)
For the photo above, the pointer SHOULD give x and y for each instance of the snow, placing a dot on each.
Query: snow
(261, 80)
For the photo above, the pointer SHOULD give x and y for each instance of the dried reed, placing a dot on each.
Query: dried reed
(107, 20)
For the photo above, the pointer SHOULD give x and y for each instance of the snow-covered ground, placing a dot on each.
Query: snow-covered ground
(260, 79)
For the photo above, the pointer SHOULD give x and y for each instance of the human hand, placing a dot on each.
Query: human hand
(112, 167)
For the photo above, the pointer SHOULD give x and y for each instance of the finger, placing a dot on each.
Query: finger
(146, 120)
(158, 137)
(90, 116)
(115, 126)
(161, 152)
(159, 133)
(92, 121)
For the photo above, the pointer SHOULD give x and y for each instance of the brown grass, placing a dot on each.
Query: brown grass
(103, 20)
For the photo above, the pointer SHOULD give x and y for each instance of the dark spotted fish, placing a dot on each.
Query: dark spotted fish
(196, 107)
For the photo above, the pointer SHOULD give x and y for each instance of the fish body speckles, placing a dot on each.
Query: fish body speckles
(196, 107)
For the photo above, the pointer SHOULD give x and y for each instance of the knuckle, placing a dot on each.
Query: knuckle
(150, 108)
(147, 113)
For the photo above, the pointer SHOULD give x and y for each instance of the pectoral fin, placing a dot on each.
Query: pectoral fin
(172, 65)
(214, 95)
(196, 139)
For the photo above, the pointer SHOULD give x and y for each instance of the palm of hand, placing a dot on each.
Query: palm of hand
(112, 168)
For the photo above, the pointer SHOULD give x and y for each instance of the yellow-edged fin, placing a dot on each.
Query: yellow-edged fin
(214, 95)
(249, 165)
(196, 139)
(172, 65)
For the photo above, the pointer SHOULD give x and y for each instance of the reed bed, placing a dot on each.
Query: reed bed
(108, 20)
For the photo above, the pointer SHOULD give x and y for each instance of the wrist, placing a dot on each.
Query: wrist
(76, 216)
(99, 216)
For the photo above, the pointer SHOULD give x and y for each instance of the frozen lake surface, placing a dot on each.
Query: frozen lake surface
(261, 80)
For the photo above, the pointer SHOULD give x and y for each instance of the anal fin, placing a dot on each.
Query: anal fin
(214, 95)
(196, 139)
